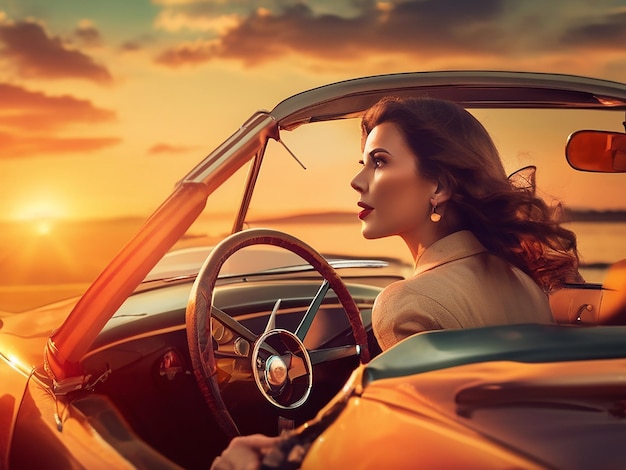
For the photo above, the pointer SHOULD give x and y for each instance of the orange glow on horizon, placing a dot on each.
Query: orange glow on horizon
(43, 227)
(42, 211)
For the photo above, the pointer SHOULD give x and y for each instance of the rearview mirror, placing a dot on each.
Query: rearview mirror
(599, 151)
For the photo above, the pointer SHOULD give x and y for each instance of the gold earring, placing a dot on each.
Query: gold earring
(434, 215)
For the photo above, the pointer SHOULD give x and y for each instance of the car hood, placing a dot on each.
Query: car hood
(24, 335)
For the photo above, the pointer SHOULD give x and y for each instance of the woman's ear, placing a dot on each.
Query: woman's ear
(442, 194)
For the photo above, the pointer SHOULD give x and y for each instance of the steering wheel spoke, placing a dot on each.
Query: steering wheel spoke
(271, 322)
(319, 356)
(229, 322)
(307, 320)
(297, 367)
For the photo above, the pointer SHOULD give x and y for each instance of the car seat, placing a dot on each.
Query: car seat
(593, 304)
(613, 303)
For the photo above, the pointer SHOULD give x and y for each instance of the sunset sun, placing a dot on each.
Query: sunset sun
(42, 215)
(43, 227)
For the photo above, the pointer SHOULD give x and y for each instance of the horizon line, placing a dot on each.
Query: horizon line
(265, 218)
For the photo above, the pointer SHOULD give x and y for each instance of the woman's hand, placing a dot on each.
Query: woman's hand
(245, 452)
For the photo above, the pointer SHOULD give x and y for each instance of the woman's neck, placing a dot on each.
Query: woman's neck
(418, 243)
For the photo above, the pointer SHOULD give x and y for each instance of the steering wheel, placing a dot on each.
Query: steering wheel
(281, 365)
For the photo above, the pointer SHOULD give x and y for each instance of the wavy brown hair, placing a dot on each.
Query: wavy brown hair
(455, 149)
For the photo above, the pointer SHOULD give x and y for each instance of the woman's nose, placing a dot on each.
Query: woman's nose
(357, 183)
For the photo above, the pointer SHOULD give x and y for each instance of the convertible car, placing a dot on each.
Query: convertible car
(243, 305)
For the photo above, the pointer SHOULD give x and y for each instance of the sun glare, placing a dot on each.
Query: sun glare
(40, 210)
(43, 227)
(41, 215)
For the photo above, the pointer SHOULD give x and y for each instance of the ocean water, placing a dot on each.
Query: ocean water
(599, 244)
(38, 267)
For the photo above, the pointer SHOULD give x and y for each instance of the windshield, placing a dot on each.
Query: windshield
(319, 206)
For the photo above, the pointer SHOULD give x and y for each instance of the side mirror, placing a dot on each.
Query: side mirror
(599, 151)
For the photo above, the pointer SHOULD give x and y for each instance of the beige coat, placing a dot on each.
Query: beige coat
(457, 284)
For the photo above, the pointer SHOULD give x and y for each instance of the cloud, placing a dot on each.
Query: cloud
(36, 55)
(173, 21)
(423, 31)
(188, 54)
(168, 148)
(131, 46)
(88, 33)
(29, 121)
(416, 28)
(12, 146)
(25, 110)
(607, 32)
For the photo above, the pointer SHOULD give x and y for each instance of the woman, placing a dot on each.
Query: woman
(485, 252)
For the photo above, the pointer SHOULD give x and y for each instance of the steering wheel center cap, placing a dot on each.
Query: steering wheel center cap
(282, 369)
(276, 371)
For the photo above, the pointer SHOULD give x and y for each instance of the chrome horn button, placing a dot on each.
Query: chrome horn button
(282, 369)
(276, 371)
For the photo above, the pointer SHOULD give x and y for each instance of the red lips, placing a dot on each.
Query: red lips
(366, 210)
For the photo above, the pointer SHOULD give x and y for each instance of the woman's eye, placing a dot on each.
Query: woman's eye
(374, 162)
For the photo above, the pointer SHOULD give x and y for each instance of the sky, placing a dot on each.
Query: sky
(105, 104)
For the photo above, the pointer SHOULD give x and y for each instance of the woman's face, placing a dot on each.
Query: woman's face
(395, 197)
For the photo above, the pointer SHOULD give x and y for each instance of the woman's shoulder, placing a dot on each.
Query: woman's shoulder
(451, 248)
(407, 293)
